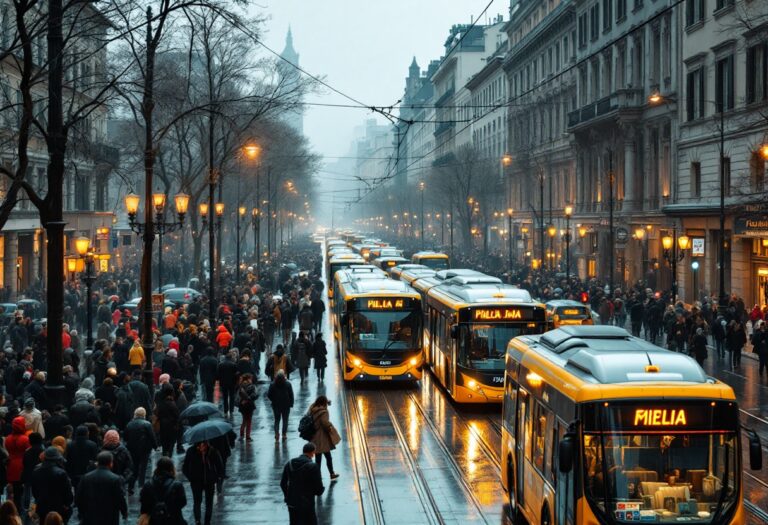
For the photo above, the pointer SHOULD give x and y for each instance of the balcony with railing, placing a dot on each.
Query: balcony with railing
(623, 99)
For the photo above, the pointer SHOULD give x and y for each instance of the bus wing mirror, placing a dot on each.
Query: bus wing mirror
(565, 453)
(755, 450)
(455, 331)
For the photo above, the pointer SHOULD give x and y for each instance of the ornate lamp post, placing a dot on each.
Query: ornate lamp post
(510, 212)
(156, 227)
(83, 248)
(568, 213)
(256, 218)
(551, 231)
(671, 245)
(241, 211)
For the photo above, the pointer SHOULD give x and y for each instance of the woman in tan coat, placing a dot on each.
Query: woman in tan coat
(326, 437)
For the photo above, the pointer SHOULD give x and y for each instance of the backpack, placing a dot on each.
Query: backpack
(307, 427)
(160, 513)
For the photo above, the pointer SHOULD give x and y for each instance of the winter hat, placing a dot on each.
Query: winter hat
(52, 454)
(29, 402)
(164, 378)
(111, 438)
(173, 353)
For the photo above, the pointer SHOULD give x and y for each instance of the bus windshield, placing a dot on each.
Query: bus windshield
(437, 263)
(385, 330)
(666, 475)
(483, 346)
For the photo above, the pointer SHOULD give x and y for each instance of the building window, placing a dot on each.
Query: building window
(757, 172)
(565, 50)
(724, 83)
(594, 22)
(757, 73)
(720, 4)
(621, 10)
(694, 92)
(638, 5)
(583, 30)
(695, 179)
(607, 14)
(694, 12)
(727, 175)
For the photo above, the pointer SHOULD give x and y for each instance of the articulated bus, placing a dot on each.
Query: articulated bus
(398, 269)
(411, 272)
(377, 326)
(600, 427)
(469, 320)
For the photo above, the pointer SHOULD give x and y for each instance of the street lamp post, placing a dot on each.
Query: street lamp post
(148, 230)
(671, 245)
(551, 231)
(640, 235)
(510, 212)
(240, 214)
(256, 217)
(568, 213)
(421, 190)
(82, 246)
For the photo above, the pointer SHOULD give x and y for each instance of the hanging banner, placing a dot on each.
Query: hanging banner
(755, 225)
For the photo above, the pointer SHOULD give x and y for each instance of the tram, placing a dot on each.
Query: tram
(602, 427)
(469, 319)
(377, 324)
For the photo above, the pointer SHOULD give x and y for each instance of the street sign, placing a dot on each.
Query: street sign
(622, 234)
(753, 225)
(158, 300)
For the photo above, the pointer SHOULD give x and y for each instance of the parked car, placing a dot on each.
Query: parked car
(179, 296)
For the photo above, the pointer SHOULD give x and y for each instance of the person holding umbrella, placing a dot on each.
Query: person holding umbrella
(203, 468)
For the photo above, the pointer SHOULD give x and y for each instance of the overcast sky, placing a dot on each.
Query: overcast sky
(363, 48)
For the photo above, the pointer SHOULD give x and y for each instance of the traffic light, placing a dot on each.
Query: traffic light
(584, 297)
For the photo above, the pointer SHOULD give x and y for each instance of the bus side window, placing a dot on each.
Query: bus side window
(525, 419)
(551, 466)
(539, 436)
(510, 404)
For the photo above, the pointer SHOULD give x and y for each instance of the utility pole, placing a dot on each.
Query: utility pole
(722, 303)
(541, 218)
(612, 250)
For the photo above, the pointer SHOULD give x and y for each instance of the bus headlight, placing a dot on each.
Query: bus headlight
(472, 384)
(357, 362)
(414, 361)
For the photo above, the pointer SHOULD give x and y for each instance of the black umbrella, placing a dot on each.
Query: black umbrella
(207, 430)
(200, 409)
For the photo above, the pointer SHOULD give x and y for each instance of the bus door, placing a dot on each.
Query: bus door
(564, 498)
(523, 441)
(450, 364)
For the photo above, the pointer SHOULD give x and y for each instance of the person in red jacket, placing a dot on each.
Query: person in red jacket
(223, 338)
(16, 444)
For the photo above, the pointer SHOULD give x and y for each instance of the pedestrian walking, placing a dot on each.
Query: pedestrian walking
(301, 483)
(208, 366)
(326, 437)
(280, 393)
(51, 486)
(226, 373)
(320, 354)
(278, 361)
(16, 444)
(32, 458)
(203, 468)
(735, 339)
(9, 514)
(140, 441)
(246, 399)
(167, 414)
(81, 455)
(760, 346)
(100, 497)
(163, 498)
(122, 463)
(719, 329)
(300, 350)
(699, 346)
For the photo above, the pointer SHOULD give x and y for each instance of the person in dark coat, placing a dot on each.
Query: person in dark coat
(226, 373)
(30, 461)
(140, 392)
(760, 345)
(280, 393)
(301, 483)
(81, 455)
(246, 402)
(170, 364)
(54, 425)
(122, 463)
(735, 339)
(320, 353)
(83, 411)
(300, 350)
(125, 404)
(100, 498)
(208, 367)
(167, 414)
(36, 390)
(203, 468)
(164, 488)
(699, 346)
(140, 441)
(51, 486)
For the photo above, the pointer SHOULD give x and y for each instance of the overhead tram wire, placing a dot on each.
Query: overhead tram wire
(556, 76)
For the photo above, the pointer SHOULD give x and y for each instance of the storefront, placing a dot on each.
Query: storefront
(751, 230)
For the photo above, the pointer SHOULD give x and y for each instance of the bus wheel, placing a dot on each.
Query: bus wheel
(545, 519)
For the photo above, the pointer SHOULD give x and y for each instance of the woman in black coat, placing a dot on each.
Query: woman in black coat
(320, 353)
(203, 468)
(164, 488)
(167, 414)
(280, 393)
(735, 339)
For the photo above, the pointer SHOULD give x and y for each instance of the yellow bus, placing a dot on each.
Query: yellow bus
(398, 269)
(339, 262)
(377, 326)
(600, 427)
(469, 321)
(408, 273)
(435, 260)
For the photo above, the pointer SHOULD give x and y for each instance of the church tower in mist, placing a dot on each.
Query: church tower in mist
(290, 75)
